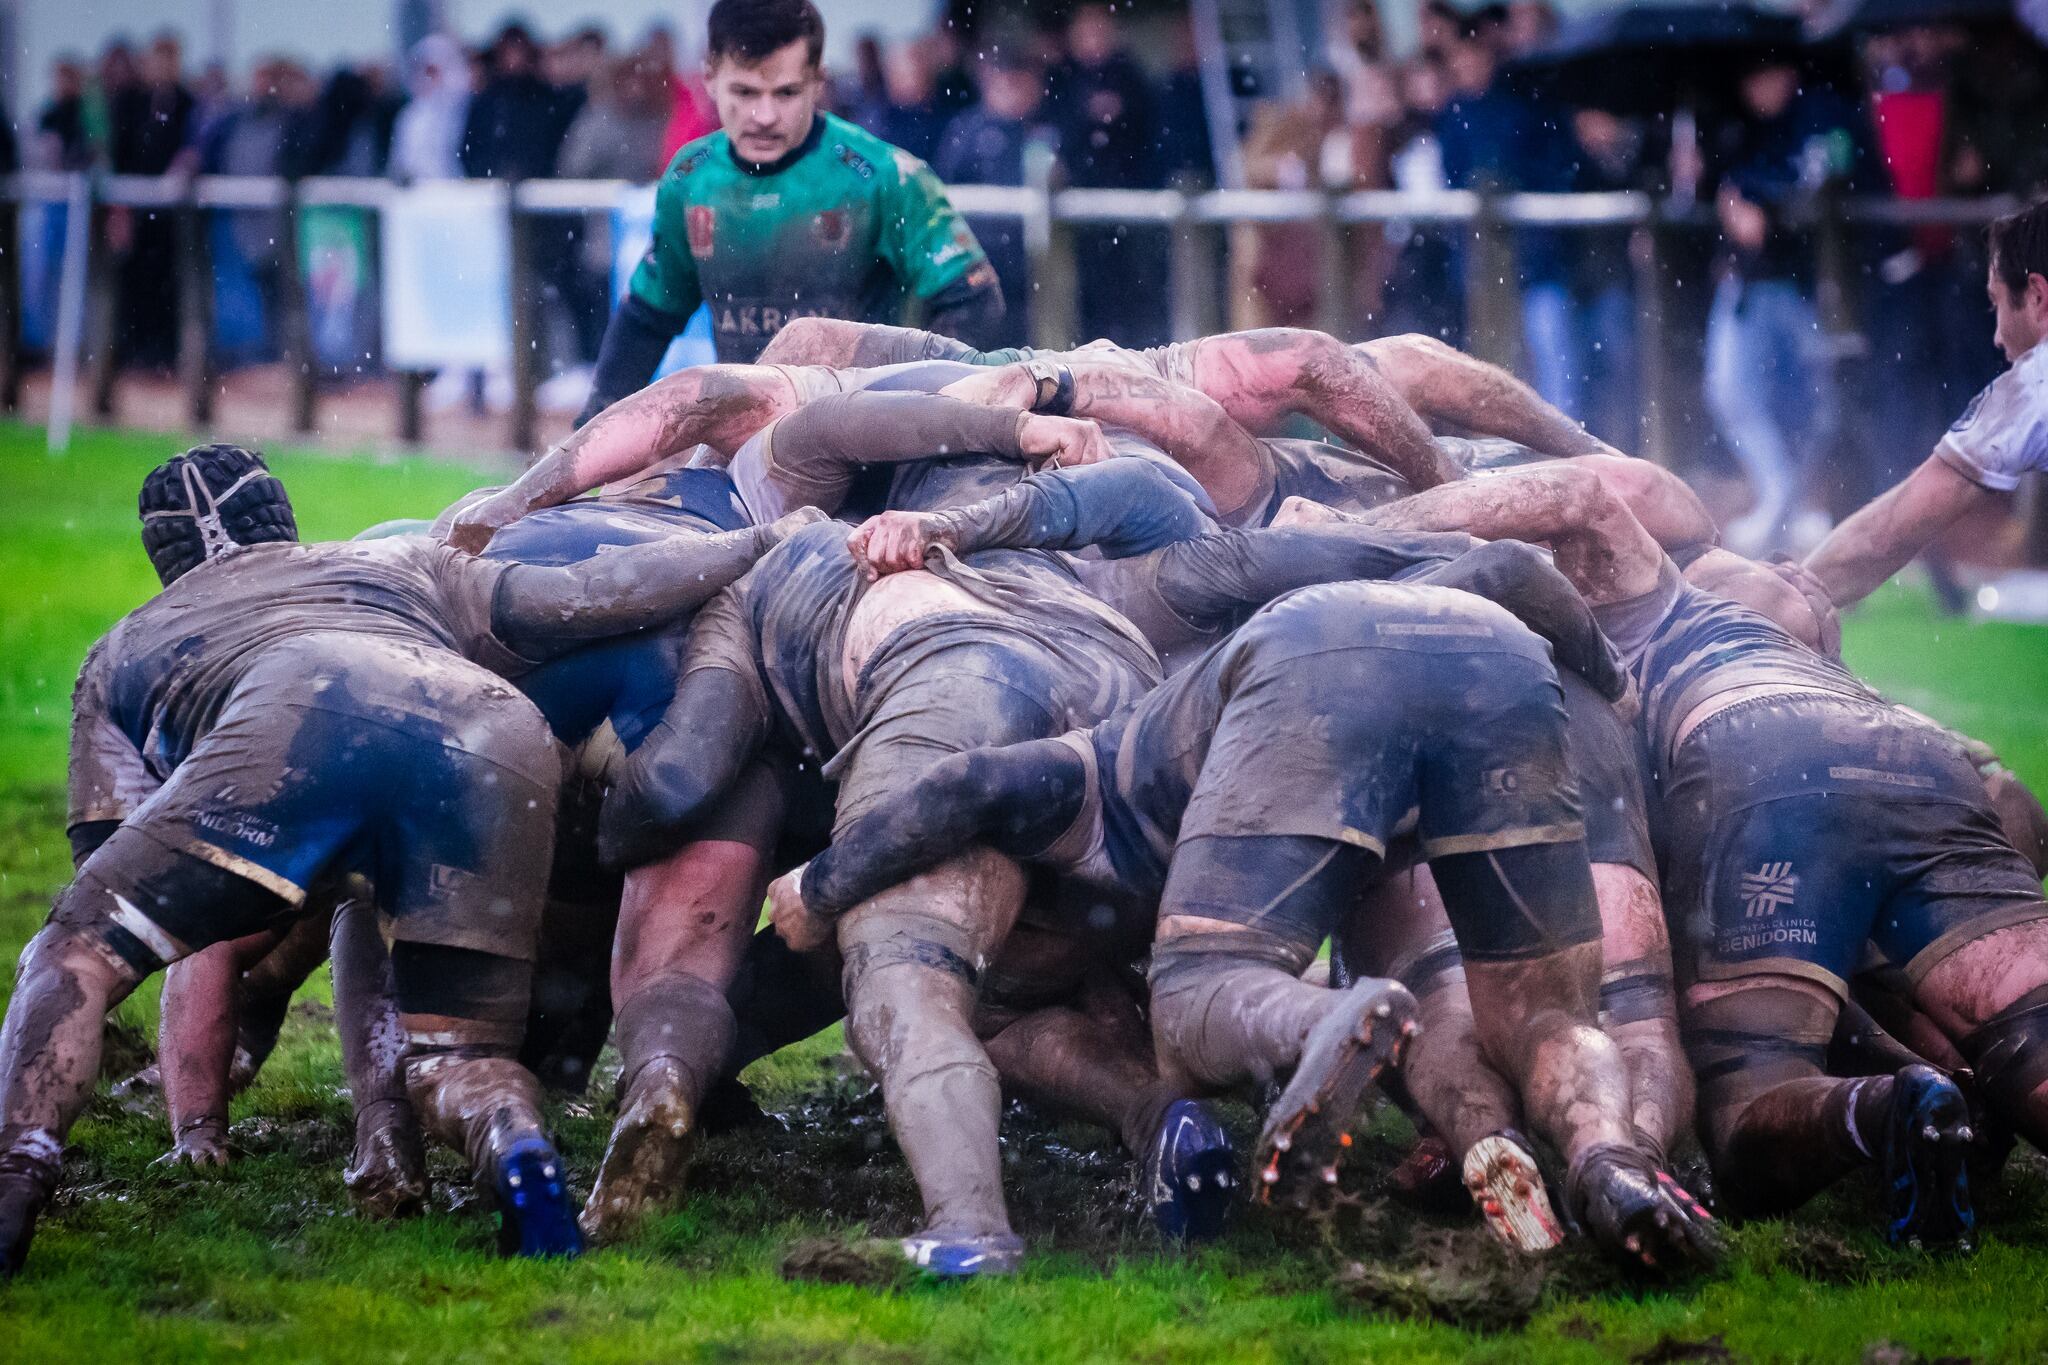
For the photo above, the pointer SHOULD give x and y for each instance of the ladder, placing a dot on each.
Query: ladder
(1249, 51)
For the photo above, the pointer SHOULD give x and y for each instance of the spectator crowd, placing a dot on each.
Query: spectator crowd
(1098, 100)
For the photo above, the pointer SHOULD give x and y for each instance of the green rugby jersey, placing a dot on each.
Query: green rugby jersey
(844, 227)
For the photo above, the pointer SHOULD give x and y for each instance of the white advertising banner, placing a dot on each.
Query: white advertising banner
(447, 256)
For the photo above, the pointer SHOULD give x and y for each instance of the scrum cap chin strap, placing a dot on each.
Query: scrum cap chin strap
(214, 539)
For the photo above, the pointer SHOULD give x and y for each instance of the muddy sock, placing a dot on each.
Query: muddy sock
(1066, 1061)
(1223, 1016)
(479, 1105)
(909, 1023)
(682, 1019)
(1801, 1136)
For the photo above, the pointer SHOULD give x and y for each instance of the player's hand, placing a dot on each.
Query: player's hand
(999, 386)
(199, 1144)
(895, 542)
(474, 525)
(1061, 442)
(803, 931)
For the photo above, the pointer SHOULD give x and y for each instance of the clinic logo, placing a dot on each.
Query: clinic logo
(700, 221)
(1768, 890)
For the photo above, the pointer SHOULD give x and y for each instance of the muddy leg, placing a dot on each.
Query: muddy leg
(914, 956)
(1991, 997)
(1639, 1006)
(67, 980)
(683, 926)
(1093, 1061)
(387, 1170)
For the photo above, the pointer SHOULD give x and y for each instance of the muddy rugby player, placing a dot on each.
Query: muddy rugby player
(991, 638)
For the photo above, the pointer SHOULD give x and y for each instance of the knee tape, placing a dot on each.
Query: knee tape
(1430, 967)
(910, 940)
(1187, 960)
(2009, 1051)
(1631, 992)
(460, 999)
(1743, 1044)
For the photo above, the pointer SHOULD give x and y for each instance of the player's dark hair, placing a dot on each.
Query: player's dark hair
(197, 505)
(751, 29)
(2019, 246)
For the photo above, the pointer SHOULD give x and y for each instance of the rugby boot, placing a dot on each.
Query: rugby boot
(1507, 1185)
(964, 1256)
(387, 1171)
(1308, 1129)
(649, 1153)
(1636, 1210)
(28, 1177)
(536, 1216)
(1926, 1163)
(1190, 1176)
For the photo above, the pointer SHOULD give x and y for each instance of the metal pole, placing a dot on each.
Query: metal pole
(195, 310)
(411, 385)
(295, 317)
(70, 339)
(10, 305)
(1493, 322)
(1656, 435)
(1333, 259)
(103, 314)
(525, 324)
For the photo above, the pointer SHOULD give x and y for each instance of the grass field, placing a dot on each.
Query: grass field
(267, 1262)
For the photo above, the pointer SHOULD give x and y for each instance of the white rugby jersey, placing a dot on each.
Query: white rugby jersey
(2003, 434)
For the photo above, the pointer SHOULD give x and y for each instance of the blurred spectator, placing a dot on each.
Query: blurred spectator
(993, 144)
(1290, 147)
(63, 141)
(1423, 291)
(1442, 28)
(269, 133)
(953, 86)
(691, 114)
(915, 119)
(618, 134)
(1104, 108)
(352, 123)
(865, 98)
(118, 74)
(152, 127)
(1998, 99)
(517, 119)
(573, 63)
(1185, 152)
(1770, 376)
(426, 137)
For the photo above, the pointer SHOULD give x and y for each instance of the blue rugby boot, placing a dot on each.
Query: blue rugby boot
(1190, 1175)
(536, 1216)
(1926, 1163)
(964, 1256)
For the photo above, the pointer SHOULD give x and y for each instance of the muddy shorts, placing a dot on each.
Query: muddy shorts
(955, 681)
(1796, 829)
(1337, 727)
(341, 752)
(1610, 773)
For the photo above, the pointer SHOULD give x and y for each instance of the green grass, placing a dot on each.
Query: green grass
(267, 1262)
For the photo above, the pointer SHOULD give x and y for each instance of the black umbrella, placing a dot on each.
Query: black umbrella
(1870, 15)
(1647, 59)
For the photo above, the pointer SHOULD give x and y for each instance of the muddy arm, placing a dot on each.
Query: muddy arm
(720, 716)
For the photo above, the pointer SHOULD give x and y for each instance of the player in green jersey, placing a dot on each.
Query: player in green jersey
(787, 212)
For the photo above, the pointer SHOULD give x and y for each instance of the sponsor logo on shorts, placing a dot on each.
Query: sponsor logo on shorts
(701, 223)
(755, 321)
(1461, 628)
(1768, 890)
(240, 826)
(1879, 775)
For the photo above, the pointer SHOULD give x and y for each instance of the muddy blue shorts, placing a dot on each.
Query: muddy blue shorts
(1797, 829)
(345, 753)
